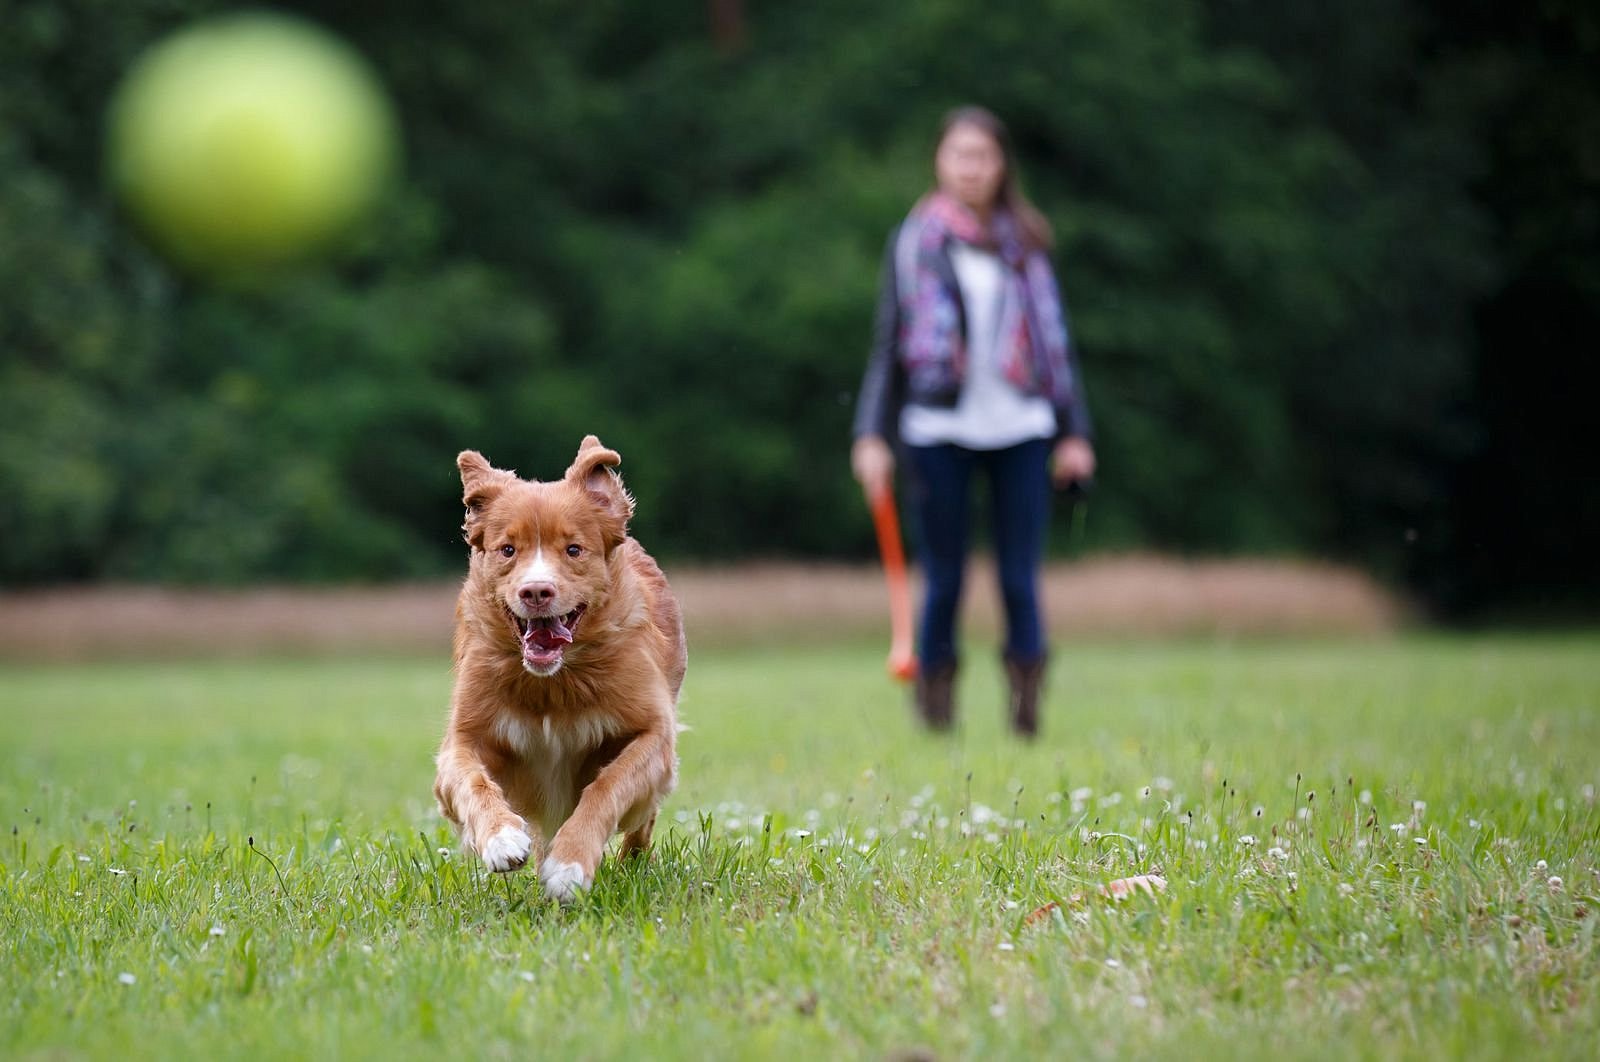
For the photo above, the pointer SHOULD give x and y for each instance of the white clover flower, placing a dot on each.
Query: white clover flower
(126, 978)
(1248, 840)
(1541, 866)
(1365, 797)
(217, 930)
(1277, 853)
(1346, 889)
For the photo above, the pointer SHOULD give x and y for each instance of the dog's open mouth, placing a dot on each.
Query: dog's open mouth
(545, 638)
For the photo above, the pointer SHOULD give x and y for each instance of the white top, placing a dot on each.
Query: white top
(991, 413)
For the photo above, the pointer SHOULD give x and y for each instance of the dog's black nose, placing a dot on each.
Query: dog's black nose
(536, 593)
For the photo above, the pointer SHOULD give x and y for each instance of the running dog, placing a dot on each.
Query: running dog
(569, 655)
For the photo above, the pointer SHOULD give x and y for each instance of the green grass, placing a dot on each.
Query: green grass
(241, 859)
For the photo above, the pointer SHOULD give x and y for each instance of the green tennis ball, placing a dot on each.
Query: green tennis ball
(248, 142)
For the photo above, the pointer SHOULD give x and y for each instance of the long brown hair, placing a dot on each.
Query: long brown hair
(1033, 225)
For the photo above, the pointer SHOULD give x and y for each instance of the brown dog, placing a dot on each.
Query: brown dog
(569, 654)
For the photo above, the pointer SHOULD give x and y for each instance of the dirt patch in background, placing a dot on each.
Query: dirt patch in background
(1115, 597)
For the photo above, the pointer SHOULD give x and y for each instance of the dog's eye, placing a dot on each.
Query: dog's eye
(574, 550)
(508, 550)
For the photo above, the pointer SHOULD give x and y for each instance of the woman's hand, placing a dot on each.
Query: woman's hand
(873, 464)
(1072, 461)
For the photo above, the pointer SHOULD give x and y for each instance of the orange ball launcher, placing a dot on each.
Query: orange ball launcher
(902, 662)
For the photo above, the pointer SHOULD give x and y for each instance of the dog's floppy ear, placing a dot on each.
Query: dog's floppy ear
(481, 483)
(594, 469)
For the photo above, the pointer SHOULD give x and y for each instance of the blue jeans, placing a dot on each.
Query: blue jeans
(1019, 504)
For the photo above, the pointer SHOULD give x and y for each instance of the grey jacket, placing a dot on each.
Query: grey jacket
(884, 389)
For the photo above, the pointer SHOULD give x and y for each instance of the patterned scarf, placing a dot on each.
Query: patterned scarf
(1032, 334)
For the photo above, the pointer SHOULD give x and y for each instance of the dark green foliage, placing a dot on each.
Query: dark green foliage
(1274, 229)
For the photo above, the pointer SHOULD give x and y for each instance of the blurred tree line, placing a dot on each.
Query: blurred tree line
(1330, 268)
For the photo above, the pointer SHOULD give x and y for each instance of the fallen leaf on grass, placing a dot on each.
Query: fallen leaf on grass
(1120, 889)
(1041, 913)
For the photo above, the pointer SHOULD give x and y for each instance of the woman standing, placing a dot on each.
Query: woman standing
(972, 370)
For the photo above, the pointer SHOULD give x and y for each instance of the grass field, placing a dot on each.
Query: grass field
(1383, 848)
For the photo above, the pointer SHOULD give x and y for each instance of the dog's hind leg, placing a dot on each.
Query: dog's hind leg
(637, 841)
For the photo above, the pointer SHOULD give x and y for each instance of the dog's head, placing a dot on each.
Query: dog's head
(541, 552)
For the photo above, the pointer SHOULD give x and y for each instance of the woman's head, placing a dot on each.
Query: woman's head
(973, 163)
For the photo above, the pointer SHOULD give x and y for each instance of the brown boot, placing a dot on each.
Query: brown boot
(935, 696)
(1026, 679)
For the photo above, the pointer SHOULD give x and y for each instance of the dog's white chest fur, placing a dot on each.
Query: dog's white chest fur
(553, 751)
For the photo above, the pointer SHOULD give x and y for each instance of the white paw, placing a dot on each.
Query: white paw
(562, 881)
(507, 850)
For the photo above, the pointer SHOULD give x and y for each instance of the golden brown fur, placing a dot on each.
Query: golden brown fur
(569, 655)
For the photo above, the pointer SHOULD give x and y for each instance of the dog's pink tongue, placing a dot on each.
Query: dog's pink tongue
(548, 633)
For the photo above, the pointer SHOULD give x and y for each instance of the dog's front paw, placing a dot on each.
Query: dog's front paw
(507, 850)
(562, 881)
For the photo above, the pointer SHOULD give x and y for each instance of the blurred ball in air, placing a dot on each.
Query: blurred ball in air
(248, 142)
